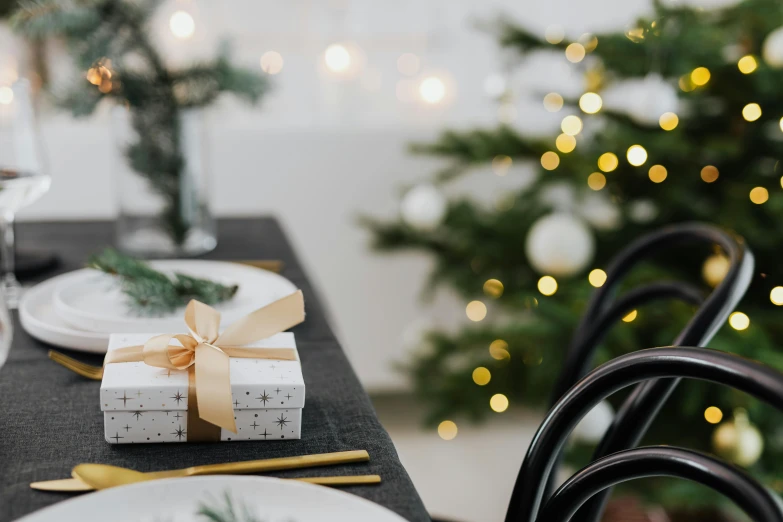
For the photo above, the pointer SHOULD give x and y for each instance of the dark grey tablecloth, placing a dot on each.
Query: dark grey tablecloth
(50, 418)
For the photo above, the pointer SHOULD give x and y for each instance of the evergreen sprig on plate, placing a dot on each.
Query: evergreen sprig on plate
(228, 512)
(151, 292)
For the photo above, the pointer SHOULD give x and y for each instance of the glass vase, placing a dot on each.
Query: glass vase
(162, 183)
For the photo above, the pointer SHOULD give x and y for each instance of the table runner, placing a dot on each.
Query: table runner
(50, 418)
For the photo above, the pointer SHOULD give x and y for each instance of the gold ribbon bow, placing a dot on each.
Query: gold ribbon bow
(209, 352)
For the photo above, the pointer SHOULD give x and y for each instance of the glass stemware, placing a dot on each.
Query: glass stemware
(6, 332)
(23, 176)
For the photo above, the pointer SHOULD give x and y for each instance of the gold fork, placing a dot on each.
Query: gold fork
(85, 370)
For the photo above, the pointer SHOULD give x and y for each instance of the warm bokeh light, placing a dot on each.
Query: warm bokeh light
(337, 58)
(668, 121)
(447, 430)
(751, 112)
(700, 76)
(432, 89)
(657, 173)
(747, 64)
(553, 102)
(481, 376)
(630, 316)
(589, 41)
(597, 277)
(408, 64)
(182, 25)
(476, 310)
(565, 143)
(607, 162)
(571, 125)
(636, 155)
(575, 52)
(590, 102)
(713, 415)
(686, 84)
(498, 403)
(547, 285)
(776, 295)
(759, 195)
(739, 321)
(6, 95)
(271, 62)
(501, 164)
(709, 174)
(596, 181)
(554, 34)
(550, 160)
(498, 349)
(493, 288)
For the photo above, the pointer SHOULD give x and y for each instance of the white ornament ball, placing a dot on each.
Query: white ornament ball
(593, 426)
(772, 50)
(559, 196)
(559, 245)
(600, 212)
(738, 441)
(642, 211)
(423, 207)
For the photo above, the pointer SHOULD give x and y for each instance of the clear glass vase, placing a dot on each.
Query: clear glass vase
(162, 183)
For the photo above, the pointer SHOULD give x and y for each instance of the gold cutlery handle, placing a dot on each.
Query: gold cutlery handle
(303, 461)
(349, 480)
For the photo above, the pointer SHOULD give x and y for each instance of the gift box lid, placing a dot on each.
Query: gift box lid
(255, 383)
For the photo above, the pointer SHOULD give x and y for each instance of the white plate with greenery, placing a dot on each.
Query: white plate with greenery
(93, 301)
(213, 498)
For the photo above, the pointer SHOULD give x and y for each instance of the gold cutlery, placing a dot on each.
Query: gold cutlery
(83, 369)
(76, 485)
(101, 476)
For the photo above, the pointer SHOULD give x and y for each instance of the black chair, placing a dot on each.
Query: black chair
(649, 365)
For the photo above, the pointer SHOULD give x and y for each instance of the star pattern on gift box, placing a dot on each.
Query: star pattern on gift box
(179, 432)
(281, 421)
(179, 397)
(264, 397)
(137, 414)
(124, 399)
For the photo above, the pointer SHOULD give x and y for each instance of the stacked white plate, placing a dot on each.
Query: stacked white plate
(79, 310)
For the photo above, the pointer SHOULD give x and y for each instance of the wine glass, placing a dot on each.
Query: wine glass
(23, 176)
(6, 332)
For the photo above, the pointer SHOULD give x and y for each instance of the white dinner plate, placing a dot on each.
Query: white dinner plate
(93, 301)
(178, 500)
(38, 318)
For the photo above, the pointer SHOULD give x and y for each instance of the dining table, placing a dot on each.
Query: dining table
(51, 420)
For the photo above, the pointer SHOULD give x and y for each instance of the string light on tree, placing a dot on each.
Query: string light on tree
(657, 173)
(565, 143)
(182, 25)
(553, 102)
(589, 41)
(575, 52)
(271, 62)
(668, 121)
(713, 415)
(498, 349)
(337, 58)
(590, 102)
(432, 90)
(715, 269)
(476, 311)
(571, 125)
(481, 376)
(493, 288)
(498, 403)
(547, 285)
(636, 155)
(747, 64)
(596, 181)
(550, 160)
(709, 173)
(608, 161)
(776, 296)
(751, 112)
(700, 76)
(447, 430)
(630, 316)
(597, 277)
(759, 195)
(739, 321)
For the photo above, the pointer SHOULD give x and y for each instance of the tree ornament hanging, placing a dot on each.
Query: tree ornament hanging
(738, 440)
(423, 207)
(593, 426)
(772, 51)
(715, 269)
(559, 244)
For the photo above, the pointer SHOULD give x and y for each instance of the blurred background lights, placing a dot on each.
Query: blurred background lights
(565, 143)
(571, 125)
(589, 41)
(597, 277)
(596, 181)
(337, 58)
(590, 102)
(501, 163)
(6, 95)
(739, 321)
(668, 121)
(498, 403)
(713, 415)
(781, 123)
(686, 84)
(432, 90)
(408, 64)
(700, 76)
(481, 376)
(550, 160)
(657, 173)
(553, 102)
(630, 316)
(547, 285)
(447, 430)
(494, 85)
(554, 34)
(182, 25)
(607, 162)
(493, 288)
(759, 195)
(636, 155)
(498, 349)
(575, 52)
(776, 295)
(747, 64)
(751, 112)
(271, 62)
(709, 174)
(476, 311)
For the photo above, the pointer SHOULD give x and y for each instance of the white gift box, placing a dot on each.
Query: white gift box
(142, 403)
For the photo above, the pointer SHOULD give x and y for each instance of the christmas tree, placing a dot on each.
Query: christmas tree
(679, 120)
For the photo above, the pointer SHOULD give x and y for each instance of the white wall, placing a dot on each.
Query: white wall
(322, 148)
